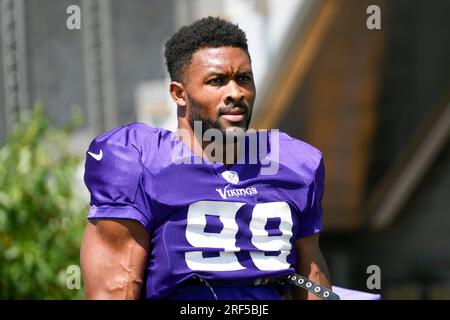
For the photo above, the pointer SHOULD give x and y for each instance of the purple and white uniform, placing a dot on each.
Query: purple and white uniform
(229, 233)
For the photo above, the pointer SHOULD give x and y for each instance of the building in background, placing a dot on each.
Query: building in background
(376, 102)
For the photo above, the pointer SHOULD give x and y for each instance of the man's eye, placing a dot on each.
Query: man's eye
(215, 81)
(244, 78)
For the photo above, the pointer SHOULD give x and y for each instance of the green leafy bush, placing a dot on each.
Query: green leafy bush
(42, 214)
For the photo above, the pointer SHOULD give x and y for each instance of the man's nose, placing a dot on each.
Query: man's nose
(234, 93)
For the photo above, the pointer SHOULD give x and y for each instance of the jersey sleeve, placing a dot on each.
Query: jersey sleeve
(310, 221)
(114, 178)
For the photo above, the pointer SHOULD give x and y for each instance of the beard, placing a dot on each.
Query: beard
(207, 123)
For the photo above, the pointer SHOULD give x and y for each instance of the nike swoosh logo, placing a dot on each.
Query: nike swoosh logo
(97, 157)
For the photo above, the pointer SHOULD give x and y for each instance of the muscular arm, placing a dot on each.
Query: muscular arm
(310, 264)
(113, 258)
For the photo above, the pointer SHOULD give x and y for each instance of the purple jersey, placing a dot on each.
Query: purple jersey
(226, 229)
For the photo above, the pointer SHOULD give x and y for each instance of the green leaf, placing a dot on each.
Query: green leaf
(42, 211)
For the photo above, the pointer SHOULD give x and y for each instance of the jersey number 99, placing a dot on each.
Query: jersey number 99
(225, 240)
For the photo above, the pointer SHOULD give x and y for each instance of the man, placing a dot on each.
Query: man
(213, 227)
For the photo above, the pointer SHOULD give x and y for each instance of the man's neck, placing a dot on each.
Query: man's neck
(211, 151)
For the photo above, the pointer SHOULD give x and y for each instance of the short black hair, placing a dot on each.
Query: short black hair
(210, 32)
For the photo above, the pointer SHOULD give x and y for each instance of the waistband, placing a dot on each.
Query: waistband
(278, 281)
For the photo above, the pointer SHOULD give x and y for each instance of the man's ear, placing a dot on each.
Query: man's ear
(177, 93)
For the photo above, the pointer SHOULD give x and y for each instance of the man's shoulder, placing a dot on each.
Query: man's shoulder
(130, 133)
(293, 150)
(299, 145)
(135, 142)
(139, 136)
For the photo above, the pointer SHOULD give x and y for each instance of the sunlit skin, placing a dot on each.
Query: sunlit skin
(218, 89)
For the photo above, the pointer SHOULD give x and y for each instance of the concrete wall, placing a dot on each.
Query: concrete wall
(56, 56)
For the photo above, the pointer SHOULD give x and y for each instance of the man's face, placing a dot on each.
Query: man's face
(220, 89)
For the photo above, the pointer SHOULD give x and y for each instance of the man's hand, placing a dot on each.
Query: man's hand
(310, 264)
(113, 258)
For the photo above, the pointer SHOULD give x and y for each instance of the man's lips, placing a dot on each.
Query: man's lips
(234, 117)
(234, 114)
